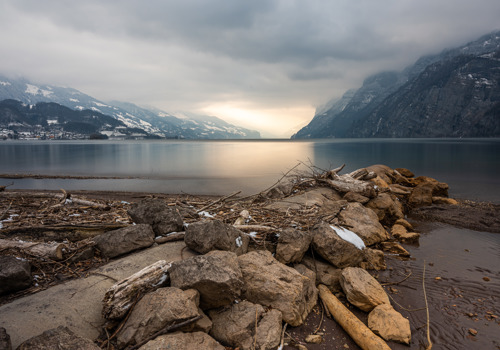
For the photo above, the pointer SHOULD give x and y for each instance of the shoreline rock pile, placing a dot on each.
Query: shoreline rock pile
(244, 286)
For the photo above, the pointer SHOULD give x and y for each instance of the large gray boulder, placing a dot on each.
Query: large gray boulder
(155, 311)
(361, 289)
(183, 341)
(236, 326)
(364, 222)
(15, 274)
(216, 275)
(333, 248)
(292, 245)
(154, 211)
(58, 338)
(125, 240)
(389, 324)
(273, 284)
(205, 236)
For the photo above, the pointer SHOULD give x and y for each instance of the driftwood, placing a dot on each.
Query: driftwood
(345, 183)
(120, 297)
(68, 199)
(362, 174)
(254, 228)
(4, 214)
(331, 173)
(171, 237)
(361, 334)
(52, 250)
(218, 201)
(2, 188)
(72, 233)
(356, 181)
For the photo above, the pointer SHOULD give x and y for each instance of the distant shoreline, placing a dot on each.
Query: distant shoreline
(76, 177)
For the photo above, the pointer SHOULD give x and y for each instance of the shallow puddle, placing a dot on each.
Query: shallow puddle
(462, 283)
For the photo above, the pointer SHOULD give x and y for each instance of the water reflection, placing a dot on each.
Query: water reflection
(469, 166)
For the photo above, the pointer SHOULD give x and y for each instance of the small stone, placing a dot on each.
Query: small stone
(437, 278)
(487, 279)
(472, 331)
(346, 346)
(314, 339)
(5, 343)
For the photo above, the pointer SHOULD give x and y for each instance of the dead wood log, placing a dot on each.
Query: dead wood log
(222, 199)
(358, 174)
(72, 233)
(120, 297)
(2, 188)
(254, 228)
(345, 183)
(332, 173)
(67, 199)
(4, 214)
(361, 334)
(401, 190)
(171, 237)
(362, 174)
(51, 250)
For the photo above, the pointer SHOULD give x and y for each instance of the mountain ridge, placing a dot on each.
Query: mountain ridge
(153, 121)
(356, 117)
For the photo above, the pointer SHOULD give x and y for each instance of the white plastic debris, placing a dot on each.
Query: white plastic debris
(205, 214)
(239, 242)
(349, 236)
(162, 280)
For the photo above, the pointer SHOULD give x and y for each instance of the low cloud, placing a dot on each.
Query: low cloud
(262, 55)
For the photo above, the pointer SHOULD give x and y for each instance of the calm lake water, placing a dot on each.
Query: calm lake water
(469, 166)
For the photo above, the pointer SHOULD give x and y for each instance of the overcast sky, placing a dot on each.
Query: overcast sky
(262, 64)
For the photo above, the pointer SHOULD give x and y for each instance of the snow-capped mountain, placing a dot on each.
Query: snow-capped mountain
(151, 120)
(450, 94)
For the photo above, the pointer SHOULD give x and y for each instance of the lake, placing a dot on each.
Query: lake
(469, 166)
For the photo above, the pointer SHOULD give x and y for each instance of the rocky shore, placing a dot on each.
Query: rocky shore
(261, 270)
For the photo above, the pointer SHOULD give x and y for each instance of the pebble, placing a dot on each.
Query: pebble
(486, 279)
(472, 331)
(314, 339)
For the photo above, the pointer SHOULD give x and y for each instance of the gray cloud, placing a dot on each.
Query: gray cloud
(259, 55)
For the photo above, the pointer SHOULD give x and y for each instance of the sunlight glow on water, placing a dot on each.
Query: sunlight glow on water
(470, 167)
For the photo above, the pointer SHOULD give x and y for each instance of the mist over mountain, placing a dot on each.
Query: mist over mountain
(151, 121)
(452, 94)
